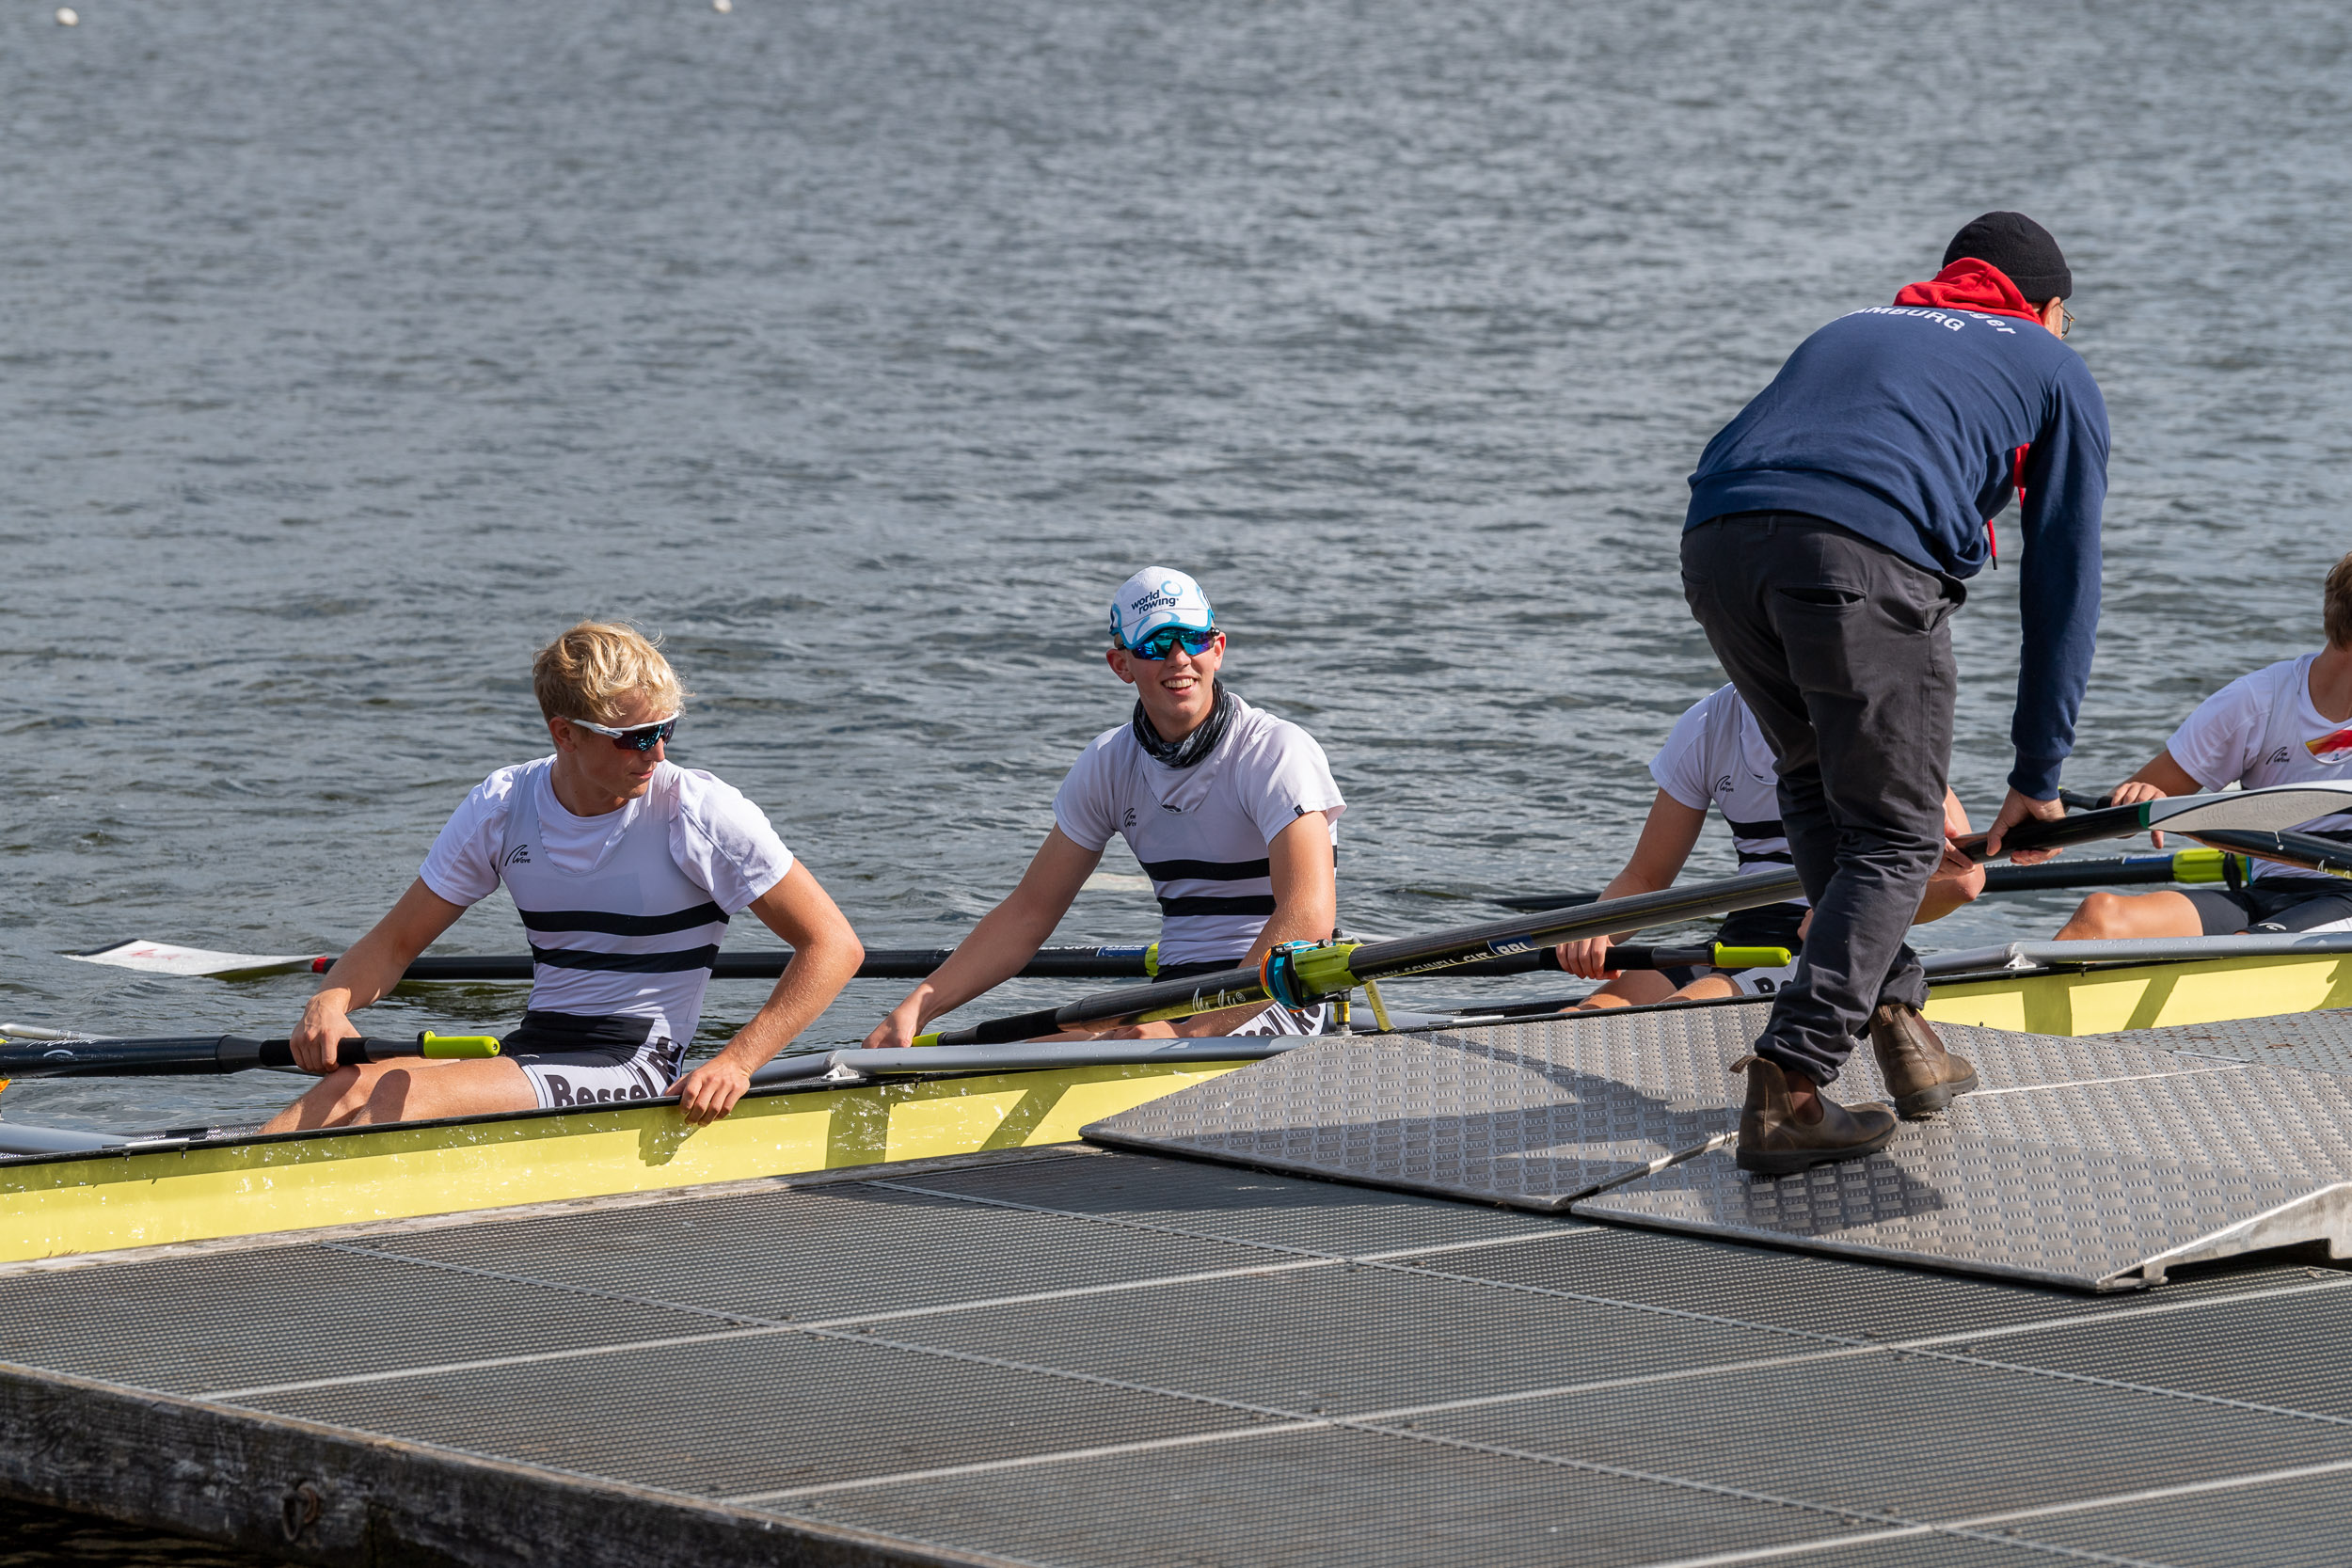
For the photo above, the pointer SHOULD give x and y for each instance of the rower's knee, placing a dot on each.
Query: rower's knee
(2101, 917)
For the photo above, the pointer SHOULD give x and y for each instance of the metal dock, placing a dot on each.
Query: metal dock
(1086, 1357)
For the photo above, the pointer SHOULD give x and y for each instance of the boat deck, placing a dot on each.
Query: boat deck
(1087, 1358)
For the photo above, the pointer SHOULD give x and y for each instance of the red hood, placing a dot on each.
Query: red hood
(1969, 284)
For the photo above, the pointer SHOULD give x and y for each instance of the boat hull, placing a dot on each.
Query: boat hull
(111, 1200)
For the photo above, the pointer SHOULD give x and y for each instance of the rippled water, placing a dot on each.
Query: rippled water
(350, 351)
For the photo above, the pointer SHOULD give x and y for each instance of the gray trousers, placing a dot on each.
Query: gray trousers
(1843, 650)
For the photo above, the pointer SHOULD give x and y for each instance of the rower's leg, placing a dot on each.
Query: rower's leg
(2115, 916)
(407, 1090)
(1634, 987)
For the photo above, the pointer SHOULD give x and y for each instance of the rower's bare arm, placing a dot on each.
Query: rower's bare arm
(1957, 880)
(2162, 776)
(1005, 940)
(1668, 835)
(368, 971)
(825, 957)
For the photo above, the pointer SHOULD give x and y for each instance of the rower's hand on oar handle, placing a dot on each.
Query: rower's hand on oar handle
(2136, 793)
(325, 1024)
(1588, 958)
(2019, 808)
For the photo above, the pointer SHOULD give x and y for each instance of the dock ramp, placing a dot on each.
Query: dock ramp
(2096, 1163)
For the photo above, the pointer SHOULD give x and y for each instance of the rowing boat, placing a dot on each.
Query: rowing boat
(198, 1185)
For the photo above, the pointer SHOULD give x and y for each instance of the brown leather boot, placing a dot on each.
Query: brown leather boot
(1772, 1142)
(1921, 1075)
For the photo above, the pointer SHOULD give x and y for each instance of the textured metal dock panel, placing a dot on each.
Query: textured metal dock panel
(1534, 1115)
(1531, 1114)
(1327, 1498)
(2312, 1043)
(1107, 1360)
(2097, 1183)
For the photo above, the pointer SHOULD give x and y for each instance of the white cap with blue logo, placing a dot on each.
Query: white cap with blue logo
(1154, 597)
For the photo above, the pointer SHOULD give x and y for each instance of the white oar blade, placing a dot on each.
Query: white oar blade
(163, 958)
(2272, 810)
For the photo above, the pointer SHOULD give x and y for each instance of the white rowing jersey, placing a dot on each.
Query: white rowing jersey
(625, 911)
(1716, 754)
(2262, 729)
(1201, 833)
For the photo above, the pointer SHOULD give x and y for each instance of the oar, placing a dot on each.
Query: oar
(2188, 865)
(2305, 851)
(1299, 974)
(888, 963)
(47, 1054)
(1713, 954)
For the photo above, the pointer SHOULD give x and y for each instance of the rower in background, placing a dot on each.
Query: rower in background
(2285, 724)
(1228, 809)
(626, 869)
(1716, 755)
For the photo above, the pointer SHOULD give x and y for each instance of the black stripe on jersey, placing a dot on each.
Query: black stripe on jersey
(1207, 871)
(1768, 857)
(1757, 830)
(1260, 903)
(628, 963)
(623, 924)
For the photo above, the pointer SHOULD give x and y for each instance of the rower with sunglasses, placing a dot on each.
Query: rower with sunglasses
(2285, 724)
(1228, 809)
(626, 869)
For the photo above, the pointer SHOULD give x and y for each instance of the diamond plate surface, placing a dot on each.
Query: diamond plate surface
(2313, 1042)
(2097, 1183)
(1535, 1114)
(1530, 1115)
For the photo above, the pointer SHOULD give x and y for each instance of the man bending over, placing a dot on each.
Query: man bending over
(626, 869)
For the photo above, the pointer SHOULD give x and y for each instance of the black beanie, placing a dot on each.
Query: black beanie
(2020, 247)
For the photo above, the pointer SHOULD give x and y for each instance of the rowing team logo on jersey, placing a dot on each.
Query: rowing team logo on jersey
(2334, 746)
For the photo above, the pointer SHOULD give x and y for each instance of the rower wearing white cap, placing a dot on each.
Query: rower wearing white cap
(1228, 809)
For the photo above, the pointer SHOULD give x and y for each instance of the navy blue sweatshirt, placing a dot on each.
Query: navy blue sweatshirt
(1901, 424)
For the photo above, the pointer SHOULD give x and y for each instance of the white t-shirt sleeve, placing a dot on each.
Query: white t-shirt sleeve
(2219, 742)
(1085, 807)
(726, 842)
(462, 865)
(1680, 765)
(1296, 779)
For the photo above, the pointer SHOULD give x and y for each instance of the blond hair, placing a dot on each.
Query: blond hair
(2336, 604)
(587, 673)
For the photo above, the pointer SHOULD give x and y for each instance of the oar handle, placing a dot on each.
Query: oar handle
(185, 1055)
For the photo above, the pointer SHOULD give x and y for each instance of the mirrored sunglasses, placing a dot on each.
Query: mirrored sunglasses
(644, 737)
(1161, 643)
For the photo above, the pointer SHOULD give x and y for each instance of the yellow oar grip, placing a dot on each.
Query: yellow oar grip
(2200, 865)
(931, 1038)
(446, 1047)
(1750, 957)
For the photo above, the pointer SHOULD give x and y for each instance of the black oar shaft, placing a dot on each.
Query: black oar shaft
(887, 964)
(1467, 944)
(175, 1055)
(2116, 871)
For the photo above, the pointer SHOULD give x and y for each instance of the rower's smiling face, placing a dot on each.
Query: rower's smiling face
(1178, 692)
(592, 768)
